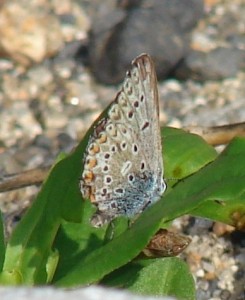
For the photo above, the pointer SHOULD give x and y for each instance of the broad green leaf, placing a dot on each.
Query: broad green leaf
(228, 203)
(29, 249)
(184, 153)
(158, 277)
(66, 262)
(74, 242)
(211, 182)
(30, 245)
(166, 276)
(28, 252)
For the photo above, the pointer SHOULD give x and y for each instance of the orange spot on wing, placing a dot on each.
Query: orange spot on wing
(102, 138)
(94, 149)
(92, 162)
(88, 176)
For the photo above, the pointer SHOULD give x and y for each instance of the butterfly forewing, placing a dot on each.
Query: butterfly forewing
(148, 114)
(123, 165)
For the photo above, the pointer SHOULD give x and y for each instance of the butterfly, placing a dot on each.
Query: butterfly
(123, 165)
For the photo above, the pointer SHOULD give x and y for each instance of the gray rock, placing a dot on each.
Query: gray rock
(160, 28)
(217, 64)
(32, 36)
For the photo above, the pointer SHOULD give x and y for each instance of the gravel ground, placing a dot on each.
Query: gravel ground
(48, 105)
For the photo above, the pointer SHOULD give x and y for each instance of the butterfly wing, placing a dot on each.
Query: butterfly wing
(123, 165)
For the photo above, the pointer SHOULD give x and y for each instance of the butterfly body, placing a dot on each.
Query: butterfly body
(123, 167)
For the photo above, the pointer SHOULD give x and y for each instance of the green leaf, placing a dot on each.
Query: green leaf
(226, 177)
(2, 243)
(157, 277)
(48, 234)
(97, 263)
(29, 249)
(10, 278)
(108, 257)
(52, 264)
(211, 182)
(184, 153)
(166, 276)
(30, 246)
(74, 242)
